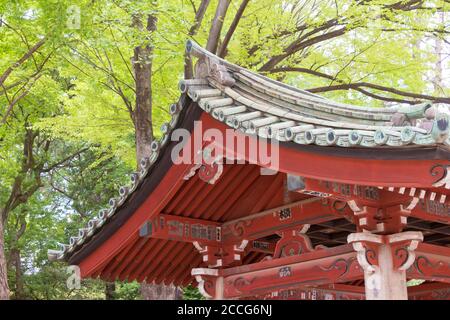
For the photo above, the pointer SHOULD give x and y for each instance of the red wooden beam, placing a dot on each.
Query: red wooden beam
(360, 171)
(325, 292)
(432, 263)
(179, 228)
(429, 291)
(432, 210)
(252, 227)
(272, 221)
(426, 291)
(364, 195)
(319, 267)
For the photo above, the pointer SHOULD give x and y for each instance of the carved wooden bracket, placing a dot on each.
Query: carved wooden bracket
(206, 279)
(387, 220)
(222, 255)
(443, 171)
(293, 242)
(402, 246)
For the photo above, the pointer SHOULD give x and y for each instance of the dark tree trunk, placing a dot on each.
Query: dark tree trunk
(110, 291)
(4, 288)
(15, 260)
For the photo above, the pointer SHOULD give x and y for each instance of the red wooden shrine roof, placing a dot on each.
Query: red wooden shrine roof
(400, 150)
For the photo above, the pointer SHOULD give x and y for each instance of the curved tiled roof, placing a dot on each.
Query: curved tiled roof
(256, 104)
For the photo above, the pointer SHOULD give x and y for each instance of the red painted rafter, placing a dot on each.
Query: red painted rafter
(146, 258)
(238, 187)
(155, 265)
(223, 189)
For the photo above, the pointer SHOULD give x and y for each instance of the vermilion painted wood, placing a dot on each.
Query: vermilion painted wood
(180, 258)
(255, 228)
(118, 272)
(426, 291)
(385, 198)
(151, 263)
(184, 274)
(159, 198)
(194, 191)
(213, 209)
(152, 205)
(419, 212)
(249, 258)
(134, 258)
(179, 196)
(167, 232)
(369, 172)
(154, 264)
(274, 194)
(151, 245)
(264, 191)
(187, 256)
(239, 188)
(432, 263)
(337, 251)
(146, 259)
(429, 291)
(188, 259)
(320, 267)
(115, 263)
(252, 247)
(327, 292)
(172, 260)
(99, 270)
(179, 274)
(202, 208)
(313, 212)
(233, 197)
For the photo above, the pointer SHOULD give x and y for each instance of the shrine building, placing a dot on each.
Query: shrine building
(259, 190)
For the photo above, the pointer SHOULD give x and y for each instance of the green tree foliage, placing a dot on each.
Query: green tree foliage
(67, 95)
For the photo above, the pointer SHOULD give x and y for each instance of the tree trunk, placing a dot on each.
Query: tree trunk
(15, 260)
(4, 289)
(216, 26)
(142, 63)
(142, 116)
(110, 291)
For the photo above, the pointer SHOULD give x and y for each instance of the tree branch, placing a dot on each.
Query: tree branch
(299, 45)
(359, 85)
(19, 62)
(216, 26)
(199, 14)
(223, 48)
